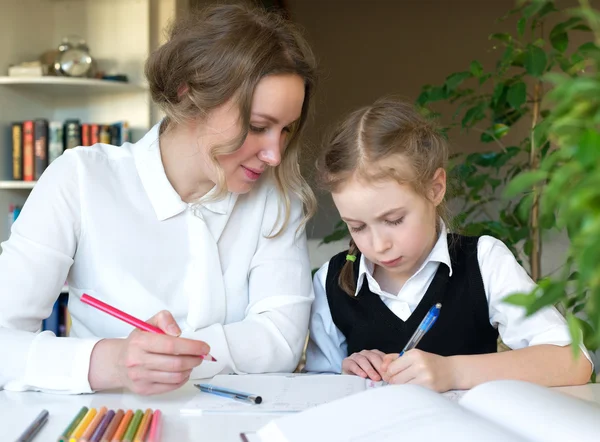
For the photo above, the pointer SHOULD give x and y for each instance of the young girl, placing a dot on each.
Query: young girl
(385, 169)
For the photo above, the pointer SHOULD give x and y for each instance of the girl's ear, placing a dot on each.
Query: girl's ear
(438, 186)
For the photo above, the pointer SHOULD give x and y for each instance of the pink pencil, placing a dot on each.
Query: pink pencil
(87, 299)
(155, 426)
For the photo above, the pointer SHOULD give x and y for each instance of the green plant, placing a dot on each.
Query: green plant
(567, 185)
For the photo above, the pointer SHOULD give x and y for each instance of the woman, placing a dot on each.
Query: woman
(201, 221)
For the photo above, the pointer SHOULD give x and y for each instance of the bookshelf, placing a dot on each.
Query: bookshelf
(120, 35)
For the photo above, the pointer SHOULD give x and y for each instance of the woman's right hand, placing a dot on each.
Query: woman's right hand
(146, 363)
(366, 364)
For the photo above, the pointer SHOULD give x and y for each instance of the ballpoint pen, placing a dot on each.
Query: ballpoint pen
(423, 328)
(231, 394)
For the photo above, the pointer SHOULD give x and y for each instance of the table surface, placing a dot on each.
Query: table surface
(17, 410)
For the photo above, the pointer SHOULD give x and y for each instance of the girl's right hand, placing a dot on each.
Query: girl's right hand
(146, 363)
(366, 364)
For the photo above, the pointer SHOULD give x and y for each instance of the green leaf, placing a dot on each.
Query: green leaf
(559, 41)
(521, 26)
(535, 61)
(533, 8)
(517, 94)
(473, 115)
(520, 299)
(476, 68)
(576, 334)
(336, 235)
(503, 36)
(497, 95)
(523, 182)
(454, 80)
(437, 93)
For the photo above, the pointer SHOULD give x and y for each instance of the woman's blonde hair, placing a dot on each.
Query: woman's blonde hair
(388, 139)
(219, 53)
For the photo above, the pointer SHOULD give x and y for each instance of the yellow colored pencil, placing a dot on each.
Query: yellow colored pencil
(123, 426)
(83, 425)
(89, 431)
(140, 435)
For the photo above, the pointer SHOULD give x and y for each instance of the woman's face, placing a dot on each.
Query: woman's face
(276, 105)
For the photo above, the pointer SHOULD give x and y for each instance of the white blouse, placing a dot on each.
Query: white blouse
(107, 220)
(501, 273)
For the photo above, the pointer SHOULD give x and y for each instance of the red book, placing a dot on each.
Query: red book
(85, 135)
(28, 151)
(94, 134)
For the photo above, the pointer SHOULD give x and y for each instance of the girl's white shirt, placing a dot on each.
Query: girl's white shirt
(107, 220)
(502, 276)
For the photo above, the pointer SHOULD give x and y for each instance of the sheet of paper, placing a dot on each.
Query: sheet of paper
(280, 394)
(537, 413)
(394, 413)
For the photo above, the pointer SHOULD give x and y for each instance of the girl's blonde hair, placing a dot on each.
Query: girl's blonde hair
(221, 52)
(387, 140)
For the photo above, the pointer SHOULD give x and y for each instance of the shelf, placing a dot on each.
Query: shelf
(17, 184)
(65, 86)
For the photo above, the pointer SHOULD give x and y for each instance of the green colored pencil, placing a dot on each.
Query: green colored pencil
(133, 426)
(64, 437)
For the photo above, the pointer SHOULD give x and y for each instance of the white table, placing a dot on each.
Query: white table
(17, 410)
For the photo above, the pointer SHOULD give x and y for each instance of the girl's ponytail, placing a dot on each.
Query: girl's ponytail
(347, 281)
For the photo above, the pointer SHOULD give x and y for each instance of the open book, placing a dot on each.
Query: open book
(496, 411)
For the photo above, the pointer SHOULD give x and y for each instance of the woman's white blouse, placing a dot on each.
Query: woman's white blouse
(502, 275)
(107, 220)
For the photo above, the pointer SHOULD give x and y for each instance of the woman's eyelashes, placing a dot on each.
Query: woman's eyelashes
(259, 130)
(357, 229)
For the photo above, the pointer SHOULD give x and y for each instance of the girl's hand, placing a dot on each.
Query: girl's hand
(418, 367)
(146, 363)
(366, 363)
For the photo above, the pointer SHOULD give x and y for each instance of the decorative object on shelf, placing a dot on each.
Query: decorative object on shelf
(74, 59)
(28, 69)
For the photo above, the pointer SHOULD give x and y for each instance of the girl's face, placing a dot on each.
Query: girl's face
(391, 224)
(276, 105)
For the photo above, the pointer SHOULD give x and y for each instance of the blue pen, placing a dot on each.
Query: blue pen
(228, 393)
(423, 328)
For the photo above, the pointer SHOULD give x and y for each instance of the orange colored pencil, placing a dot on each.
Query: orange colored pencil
(112, 427)
(87, 434)
(140, 435)
(122, 426)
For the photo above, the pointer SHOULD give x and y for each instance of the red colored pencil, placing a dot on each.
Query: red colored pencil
(87, 299)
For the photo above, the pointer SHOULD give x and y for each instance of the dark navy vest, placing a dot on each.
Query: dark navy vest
(463, 327)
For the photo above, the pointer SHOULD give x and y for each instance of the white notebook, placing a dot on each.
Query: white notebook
(507, 411)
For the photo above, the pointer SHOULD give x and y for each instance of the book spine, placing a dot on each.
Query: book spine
(28, 151)
(17, 151)
(85, 135)
(41, 147)
(56, 144)
(105, 134)
(72, 132)
(94, 134)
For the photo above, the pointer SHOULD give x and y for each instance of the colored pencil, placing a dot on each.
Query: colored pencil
(83, 425)
(140, 434)
(103, 426)
(131, 320)
(87, 434)
(155, 427)
(112, 427)
(69, 430)
(133, 426)
(118, 436)
(34, 427)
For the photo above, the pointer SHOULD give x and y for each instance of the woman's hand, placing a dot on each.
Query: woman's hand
(419, 367)
(366, 364)
(146, 363)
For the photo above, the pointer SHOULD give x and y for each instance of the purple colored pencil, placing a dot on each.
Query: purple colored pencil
(102, 427)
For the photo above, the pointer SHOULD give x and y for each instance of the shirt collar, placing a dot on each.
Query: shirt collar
(164, 198)
(439, 253)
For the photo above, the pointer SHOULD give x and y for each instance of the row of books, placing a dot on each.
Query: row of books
(58, 321)
(36, 143)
